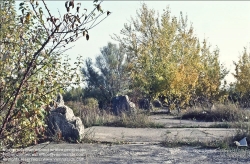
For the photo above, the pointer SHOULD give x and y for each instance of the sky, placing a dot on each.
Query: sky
(225, 24)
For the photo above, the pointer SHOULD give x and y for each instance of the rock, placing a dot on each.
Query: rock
(122, 104)
(144, 103)
(62, 120)
(157, 104)
(59, 100)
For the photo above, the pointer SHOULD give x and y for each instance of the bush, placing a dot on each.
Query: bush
(91, 103)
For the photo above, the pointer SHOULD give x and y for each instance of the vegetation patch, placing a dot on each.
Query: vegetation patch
(220, 113)
(91, 115)
(134, 121)
(201, 144)
(33, 63)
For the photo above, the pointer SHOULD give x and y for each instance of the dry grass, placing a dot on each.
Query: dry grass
(134, 120)
(93, 116)
(223, 113)
(230, 115)
(243, 130)
(195, 143)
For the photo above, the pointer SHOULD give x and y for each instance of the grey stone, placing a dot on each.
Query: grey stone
(62, 119)
(157, 104)
(145, 104)
(59, 100)
(122, 104)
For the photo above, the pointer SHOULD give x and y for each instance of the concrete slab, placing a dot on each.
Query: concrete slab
(170, 122)
(142, 135)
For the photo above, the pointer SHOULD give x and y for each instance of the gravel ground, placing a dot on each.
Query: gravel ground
(128, 153)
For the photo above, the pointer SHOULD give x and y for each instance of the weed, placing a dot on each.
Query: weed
(89, 136)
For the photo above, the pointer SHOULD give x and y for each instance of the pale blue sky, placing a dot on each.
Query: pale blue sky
(225, 24)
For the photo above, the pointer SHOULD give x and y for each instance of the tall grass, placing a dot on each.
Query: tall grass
(134, 120)
(93, 116)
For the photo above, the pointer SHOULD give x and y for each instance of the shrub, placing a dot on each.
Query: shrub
(91, 103)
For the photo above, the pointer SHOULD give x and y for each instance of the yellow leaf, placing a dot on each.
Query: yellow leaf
(27, 18)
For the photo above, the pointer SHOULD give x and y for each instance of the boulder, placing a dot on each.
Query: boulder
(59, 100)
(157, 104)
(122, 104)
(61, 119)
(144, 103)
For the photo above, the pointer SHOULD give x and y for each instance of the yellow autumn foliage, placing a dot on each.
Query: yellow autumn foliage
(168, 59)
(242, 73)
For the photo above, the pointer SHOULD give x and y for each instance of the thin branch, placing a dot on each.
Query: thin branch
(38, 16)
(48, 12)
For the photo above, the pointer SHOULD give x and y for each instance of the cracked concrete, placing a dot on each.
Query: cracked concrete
(143, 135)
(142, 146)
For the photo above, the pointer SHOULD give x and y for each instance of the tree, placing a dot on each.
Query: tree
(94, 82)
(161, 52)
(211, 75)
(145, 57)
(107, 77)
(242, 72)
(32, 69)
(242, 83)
(73, 94)
(166, 59)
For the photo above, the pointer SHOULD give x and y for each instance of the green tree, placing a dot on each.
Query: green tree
(145, 57)
(211, 75)
(32, 69)
(242, 72)
(73, 94)
(162, 53)
(165, 57)
(94, 82)
(107, 77)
